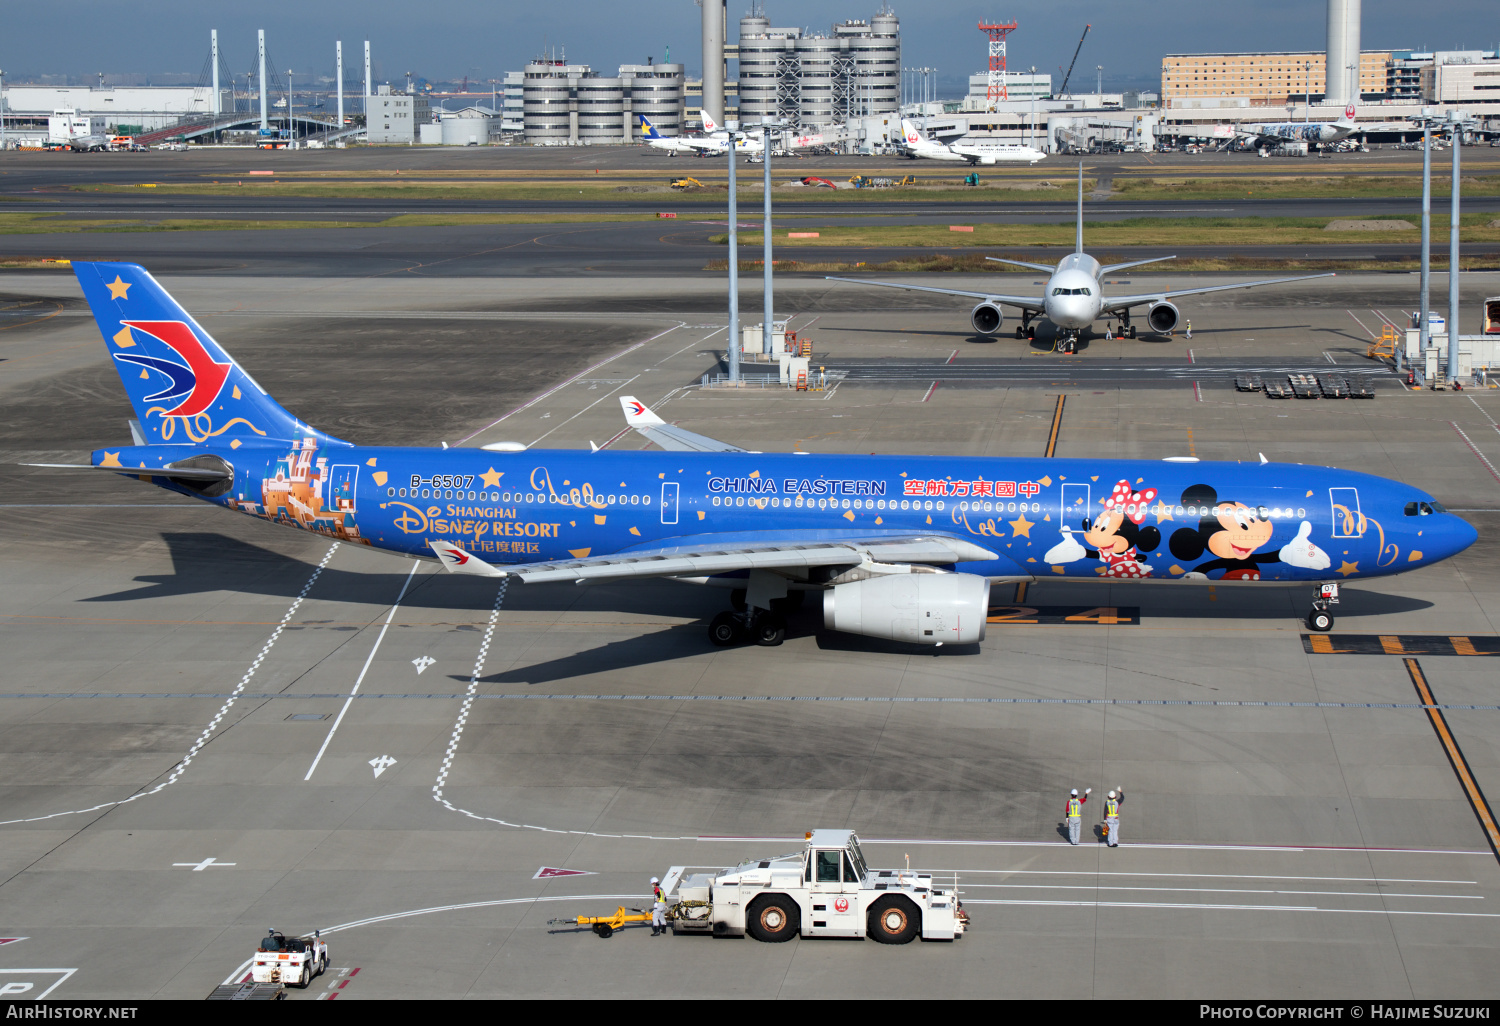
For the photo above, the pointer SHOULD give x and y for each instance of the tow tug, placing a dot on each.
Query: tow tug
(289, 960)
(824, 890)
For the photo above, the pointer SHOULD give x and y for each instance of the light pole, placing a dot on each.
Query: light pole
(767, 332)
(1458, 120)
(1099, 88)
(2, 110)
(1031, 136)
(1426, 311)
(732, 128)
(291, 135)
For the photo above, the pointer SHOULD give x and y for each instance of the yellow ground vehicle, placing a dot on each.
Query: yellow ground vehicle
(686, 183)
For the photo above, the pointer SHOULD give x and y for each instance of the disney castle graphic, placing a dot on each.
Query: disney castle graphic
(302, 489)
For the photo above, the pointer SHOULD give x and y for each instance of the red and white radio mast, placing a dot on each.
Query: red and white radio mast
(997, 34)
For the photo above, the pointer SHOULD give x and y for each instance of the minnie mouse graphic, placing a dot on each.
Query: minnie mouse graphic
(1116, 535)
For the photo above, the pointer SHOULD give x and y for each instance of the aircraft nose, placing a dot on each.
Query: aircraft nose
(1458, 535)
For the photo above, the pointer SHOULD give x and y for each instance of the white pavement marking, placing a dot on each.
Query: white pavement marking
(1475, 450)
(238, 974)
(199, 867)
(1226, 908)
(1197, 876)
(1360, 323)
(361, 678)
(422, 662)
(381, 763)
(213, 724)
(1212, 890)
(565, 384)
(586, 409)
(60, 980)
(477, 904)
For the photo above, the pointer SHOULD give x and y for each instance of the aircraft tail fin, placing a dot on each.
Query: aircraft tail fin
(709, 124)
(1347, 121)
(649, 129)
(184, 388)
(1078, 248)
(911, 133)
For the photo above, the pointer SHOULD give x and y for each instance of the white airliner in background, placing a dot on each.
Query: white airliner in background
(974, 151)
(1074, 295)
(716, 142)
(1307, 131)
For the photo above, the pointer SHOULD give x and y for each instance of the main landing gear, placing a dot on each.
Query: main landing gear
(1320, 619)
(1024, 329)
(765, 627)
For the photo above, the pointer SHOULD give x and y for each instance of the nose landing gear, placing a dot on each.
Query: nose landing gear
(1320, 619)
(1067, 342)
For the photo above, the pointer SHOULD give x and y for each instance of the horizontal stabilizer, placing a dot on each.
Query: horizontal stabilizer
(668, 436)
(1112, 268)
(1022, 263)
(183, 473)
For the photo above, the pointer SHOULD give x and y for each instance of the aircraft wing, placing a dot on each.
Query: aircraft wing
(1024, 302)
(1124, 302)
(668, 436)
(714, 555)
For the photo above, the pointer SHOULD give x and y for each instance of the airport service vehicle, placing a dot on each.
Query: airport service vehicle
(1074, 295)
(289, 960)
(896, 546)
(686, 183)
(825, 890)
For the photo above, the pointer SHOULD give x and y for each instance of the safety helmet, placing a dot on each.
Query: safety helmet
(1075, 792)
(655, 880)
(1111, 794)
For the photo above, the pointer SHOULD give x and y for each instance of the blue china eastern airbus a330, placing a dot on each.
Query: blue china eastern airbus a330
(902, 547)
(1074, 298)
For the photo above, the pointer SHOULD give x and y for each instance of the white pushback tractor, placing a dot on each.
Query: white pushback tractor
(826, 890)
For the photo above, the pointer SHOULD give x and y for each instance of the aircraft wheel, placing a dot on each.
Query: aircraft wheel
(1319, 620)
(1019, 332)
(1031, 333)
(1132, 331)
(769, 630)
(724, 630)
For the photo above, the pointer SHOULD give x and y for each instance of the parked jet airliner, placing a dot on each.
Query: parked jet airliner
(902, 547)
(1074, 295)
(974, 151)
(1322, 132)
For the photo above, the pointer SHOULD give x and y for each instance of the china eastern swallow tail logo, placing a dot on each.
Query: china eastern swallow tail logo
(637, 409)
(194, 384)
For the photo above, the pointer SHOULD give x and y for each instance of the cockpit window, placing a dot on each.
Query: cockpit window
(1424, 509)
(1438, 507)
(1059, 292)
(1085, 292)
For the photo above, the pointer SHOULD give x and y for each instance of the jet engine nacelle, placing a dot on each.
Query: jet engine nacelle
(986, 318)
(1162, 317)
(921, 608)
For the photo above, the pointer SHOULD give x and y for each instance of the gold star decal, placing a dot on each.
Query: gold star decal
(1346, 568)
(117, 288)
(1163, 512)
(1021, 527)
(111, 459)
(492, 479)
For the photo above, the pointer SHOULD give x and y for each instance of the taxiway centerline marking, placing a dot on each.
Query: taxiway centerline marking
(1057, 415)
(415, 564)
(213, 724)
(1455, 755)
(1203, 876)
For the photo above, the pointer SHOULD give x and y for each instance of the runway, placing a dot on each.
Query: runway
(209, 725)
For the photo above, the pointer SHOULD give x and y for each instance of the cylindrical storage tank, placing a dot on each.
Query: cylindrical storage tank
(601, 108)
(658, 92)
(465, 131)
(759, 55)
(816, 54)
(544, 103)
(877, 74)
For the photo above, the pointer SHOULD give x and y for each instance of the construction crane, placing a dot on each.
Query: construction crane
(1064, 90)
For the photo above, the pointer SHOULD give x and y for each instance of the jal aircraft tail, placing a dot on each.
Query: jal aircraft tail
(710, 126)
(185, 389)
(1347, 121)
(911, 133)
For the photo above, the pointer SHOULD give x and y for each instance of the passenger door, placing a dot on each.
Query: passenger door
(669, 491)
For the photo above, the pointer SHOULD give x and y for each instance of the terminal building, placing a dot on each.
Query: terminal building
(137, 108)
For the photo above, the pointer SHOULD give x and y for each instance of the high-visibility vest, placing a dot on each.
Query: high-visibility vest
(657, 896)
(1075, 808)
(1112, 809)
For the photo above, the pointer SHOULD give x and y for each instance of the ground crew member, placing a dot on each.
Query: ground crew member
(1074, 813)
(1189, 329)
(658, 908)
(1112, 816)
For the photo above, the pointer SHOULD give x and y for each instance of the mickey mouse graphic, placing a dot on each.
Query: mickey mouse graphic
(1116, 535)
(1234, 532)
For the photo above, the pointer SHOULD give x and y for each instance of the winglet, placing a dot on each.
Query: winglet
(637, 414)
(456, 561)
